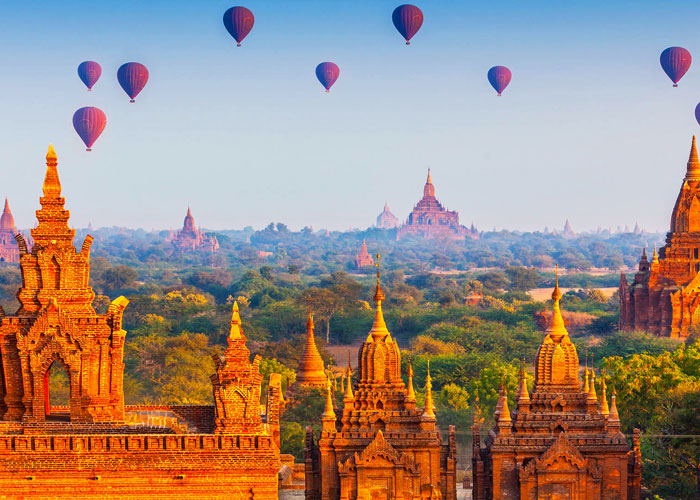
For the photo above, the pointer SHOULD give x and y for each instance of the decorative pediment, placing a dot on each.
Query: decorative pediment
(562, 457)
(379, 450)
(50, 323)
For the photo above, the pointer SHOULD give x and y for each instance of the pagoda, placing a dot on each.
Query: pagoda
(664, 297)
(189, 238)
(387, 220)
(562, 441)
(311, 371)
(429, 219)
(363, 259)
(9, 252)
(380, 444)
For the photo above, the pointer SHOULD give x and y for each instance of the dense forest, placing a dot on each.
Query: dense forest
(180, 309)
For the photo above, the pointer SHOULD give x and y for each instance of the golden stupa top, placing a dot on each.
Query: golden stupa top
(52, 185)
(557, 329)
(693, 171)
(235, 331)
(379, 330)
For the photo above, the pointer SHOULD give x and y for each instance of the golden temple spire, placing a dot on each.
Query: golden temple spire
(329, 412)
(235, 332)
(429, 406)
(349, 396)
(504, 418)
(693, 171)
(614, 417)
(585, 374)
(591, 391)
(523, 394)
(410, 393)
(430, 179)
(604, 409)
(379, 330)
(556, 329)
(655, 258)
(52, 185)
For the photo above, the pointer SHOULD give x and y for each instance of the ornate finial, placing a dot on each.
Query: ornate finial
(430, 179)
(591, 390)
(523, 393)
(504, 417)
(585, 374)
(556, 329)
(379, 329)
(348, 376)
(655, 258)
(429, 410)
(379, 295)
(556, 294)
(604, 408)
(693, 171)
(329, 412)
(52, 185)
(235, 331)
(310, 320)
(410, 392)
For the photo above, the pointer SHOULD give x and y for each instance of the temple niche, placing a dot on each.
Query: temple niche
(380, 445)
(429, 219)
(664, 297)
(562, 441)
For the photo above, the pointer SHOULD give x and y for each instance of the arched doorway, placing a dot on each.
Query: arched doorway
(57, 392)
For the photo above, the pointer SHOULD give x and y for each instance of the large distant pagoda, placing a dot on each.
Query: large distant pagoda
(387, 220)
(664, 298)
(429, 219)
(189, 238)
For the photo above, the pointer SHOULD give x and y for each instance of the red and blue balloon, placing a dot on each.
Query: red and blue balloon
(132, 77)
(238, 22)
(499, 78)
(89, 123)
(407, 19)
(89, 72)
(675, 62)
(327, 73)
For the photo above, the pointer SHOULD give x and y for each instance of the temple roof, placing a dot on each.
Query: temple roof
(311, 371)
(7, 221)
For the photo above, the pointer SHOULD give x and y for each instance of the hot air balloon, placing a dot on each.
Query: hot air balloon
(239, 21)
(697, 113)
(132, 77)
(408, 19)
(89, 123)
(675, 61)
(499, 78)
(327, 73)
(89, 72)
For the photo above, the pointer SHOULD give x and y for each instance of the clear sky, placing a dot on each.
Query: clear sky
(589, 129)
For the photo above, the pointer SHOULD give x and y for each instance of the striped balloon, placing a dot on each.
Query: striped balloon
(499, 78)
(238, 22)
(408, 19)
(89, 72)
(327, 73)
(675, 61)
(132, 77)
(89, 123)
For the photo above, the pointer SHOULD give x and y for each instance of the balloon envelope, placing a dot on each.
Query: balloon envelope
(697, 113)
(675, 61)
(238, 22)
(327, 73)
(89, 123)
(499, 78)
(89, 72)
(132, 77)
(408, 19)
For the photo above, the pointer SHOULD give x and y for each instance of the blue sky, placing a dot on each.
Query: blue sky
(590, 128)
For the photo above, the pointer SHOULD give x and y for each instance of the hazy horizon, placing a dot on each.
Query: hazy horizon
(590, 129)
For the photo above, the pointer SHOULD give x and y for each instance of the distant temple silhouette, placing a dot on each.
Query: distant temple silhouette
(429, 219)
(189, 238)
(9, 251)
(387, 220)
(363, 259)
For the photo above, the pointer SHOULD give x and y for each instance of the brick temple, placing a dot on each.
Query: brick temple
(664, 297)
(560, 442)
(9, 252)
(387, 220)
(429, 219)
(363, 258)
(311, 372)
(98, 447)
(189, 238)
(380, 445)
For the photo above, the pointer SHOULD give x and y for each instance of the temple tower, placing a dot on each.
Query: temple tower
(57, 323)
(386, 219)
(664, 298)
(562, 441)
(9, 252)
(311, 371)
(380, 444)
(363, 259)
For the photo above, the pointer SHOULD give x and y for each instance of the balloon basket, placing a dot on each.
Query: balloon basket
(89, 90)
(675, 85)
(408, 43)
(499, 95)
(328, 91)
(238, 45)
(132, 100)
(88, 149)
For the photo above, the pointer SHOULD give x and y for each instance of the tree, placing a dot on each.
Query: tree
(522, 278)
(119, 277)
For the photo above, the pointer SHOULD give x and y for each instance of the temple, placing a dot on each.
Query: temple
(311, 372)
(9, 252)
(96, 446)
(560, 442)
(387, 220)
(189, 238)
(429, 219)
(664, 297)
(380, 444)
(363, 259)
